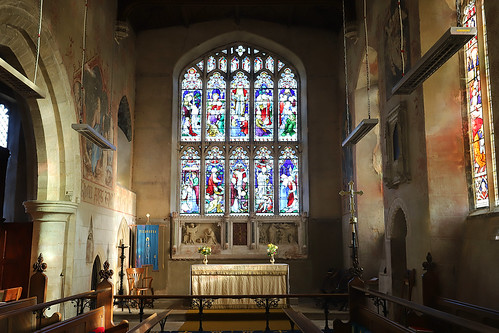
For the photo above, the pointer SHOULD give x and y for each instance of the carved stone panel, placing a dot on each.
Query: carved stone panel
(397, 155)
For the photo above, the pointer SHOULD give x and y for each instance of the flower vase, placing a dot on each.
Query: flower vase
(272, 260)
(205, 259)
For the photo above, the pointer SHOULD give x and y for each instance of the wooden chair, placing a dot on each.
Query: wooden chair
(147, 280)
(134, 276)
(12, 294)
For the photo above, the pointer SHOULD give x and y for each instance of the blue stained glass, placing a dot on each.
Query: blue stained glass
(211, 64)
(191, 117)
(189, 182)
(264, 103)
(239, 175)
(239, 108)
(288, 183)
(264, 182)
(191, 80)
(215, 182)
(215, 108)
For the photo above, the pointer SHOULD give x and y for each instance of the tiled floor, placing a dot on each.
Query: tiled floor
(181, 313)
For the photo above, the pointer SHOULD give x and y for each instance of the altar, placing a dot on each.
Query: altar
(240, 279)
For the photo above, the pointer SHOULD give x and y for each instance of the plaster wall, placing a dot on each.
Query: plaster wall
(160, 51)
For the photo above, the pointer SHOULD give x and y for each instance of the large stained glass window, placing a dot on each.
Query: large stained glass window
(4, 125)
(239, 134)
(479, 113)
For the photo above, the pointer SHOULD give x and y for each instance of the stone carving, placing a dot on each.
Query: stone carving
(190, 234)
(278, 233)
(106, 273)
(209, 237)
(200, 234)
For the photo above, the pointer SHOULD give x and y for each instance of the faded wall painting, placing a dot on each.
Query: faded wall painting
(93, 105)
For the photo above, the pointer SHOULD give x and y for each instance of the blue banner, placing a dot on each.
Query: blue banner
(147, 246)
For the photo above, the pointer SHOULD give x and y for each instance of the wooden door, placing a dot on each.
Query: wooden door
(15, 255)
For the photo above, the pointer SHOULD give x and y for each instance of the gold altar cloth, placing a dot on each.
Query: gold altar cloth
(241, 279)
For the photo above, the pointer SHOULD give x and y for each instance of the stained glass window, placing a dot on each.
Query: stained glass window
(215, 108)
(4, 125)
(190, 168)
(477, 113)
(239, 177)
(288, 182)
(215, 182)
(239, 134)
(264, 182)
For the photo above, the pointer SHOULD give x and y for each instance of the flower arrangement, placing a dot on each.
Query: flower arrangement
(204, 250)
(272, 249)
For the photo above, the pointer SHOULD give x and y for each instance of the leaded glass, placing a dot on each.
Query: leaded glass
(288, 107)
(280, 65)
(269, 64)
(239, 177)
(475, 112)
(215, 182)
(189, 182)
(4, 125)
(240, 50)
(264, 181)
(222, 64)
(264, 102)
(247, 64)
(234, 64)
(215, 108)
(200, 65)
(239, 108)
(191, 106)
(288, 182)
(211, 64)
(258, 64)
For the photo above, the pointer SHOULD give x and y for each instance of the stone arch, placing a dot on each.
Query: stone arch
(122, 237)
(256, 40)
(125, 134)
(53, 115)
(396, 206)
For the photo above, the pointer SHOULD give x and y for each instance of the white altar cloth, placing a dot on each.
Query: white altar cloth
(240, 279)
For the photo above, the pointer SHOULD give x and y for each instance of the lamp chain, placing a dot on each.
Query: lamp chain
(368, 83)
(402, 51)
(38, 41)
(346, 70)
(84, 45)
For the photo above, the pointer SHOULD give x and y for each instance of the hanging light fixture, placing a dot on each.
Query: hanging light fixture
(366, 124)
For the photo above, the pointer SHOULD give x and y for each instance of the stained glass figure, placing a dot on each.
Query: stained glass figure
(239, 177)
(200, 65)
(280, 65)
(264, 102)
(288, 182)
(240, 50)
(189, 182)
(211, 64)
(191, 106)
(269, 64)
(247, 64)
(288, 107)
(475, 112)
(215, 108)
(258, 64)
(222, 64)
(239, 108)
(234, 64)
(264, 181)
(215, 182)
(4, 125)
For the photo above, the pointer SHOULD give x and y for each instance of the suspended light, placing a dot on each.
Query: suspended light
(93, 136)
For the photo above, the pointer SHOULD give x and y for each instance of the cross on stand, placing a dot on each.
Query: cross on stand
(356, 269)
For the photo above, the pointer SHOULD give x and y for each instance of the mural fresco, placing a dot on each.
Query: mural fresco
(93, 108)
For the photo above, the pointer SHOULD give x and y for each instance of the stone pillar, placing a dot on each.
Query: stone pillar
(49, 237)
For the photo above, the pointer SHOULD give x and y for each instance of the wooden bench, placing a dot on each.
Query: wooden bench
(11, 294)
(302, 322)
(84, 323)
(20, 322)
(150, 322)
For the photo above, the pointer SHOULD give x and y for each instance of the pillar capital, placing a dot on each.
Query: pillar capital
(50, 211)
